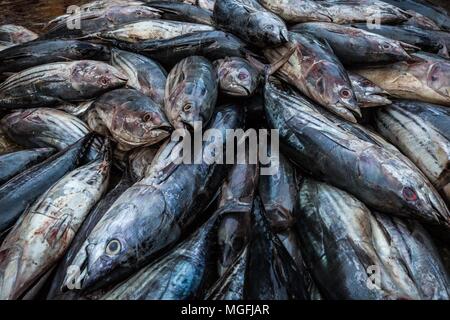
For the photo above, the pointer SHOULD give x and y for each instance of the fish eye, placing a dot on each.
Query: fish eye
(187, 107)
(386, 45)
(366, 82)
(139, 12)
(113, 247)
(104, 81)
(345, 93)
(147, 117)
(269, 27)
(242, 76)
(409, 194)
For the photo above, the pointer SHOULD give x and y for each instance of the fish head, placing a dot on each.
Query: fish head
(338, 96)
(191, 105)
(438, 79)
(274, 30)
(237, 78)
(393, 49)
(140, 127)
(93, 77)
(403, 187)
(130, 231)
(125, 14)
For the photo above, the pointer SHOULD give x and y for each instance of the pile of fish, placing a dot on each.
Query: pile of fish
(97, 202)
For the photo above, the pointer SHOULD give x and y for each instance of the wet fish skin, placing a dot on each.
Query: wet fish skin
(56, 83)
(191, 92)
(179, 11)
(418, 20)
(35, 53)
(44, 127)
(278, 193)
(250, 22)
(237, 77)
(132, 119)
(429, 10)
(417, 249)
(157, 209)
(317, 73)
(271, 272)
(352, 158)
(420, 130)
(210, 44)
(78, 110)
(144, 74)
(367, 93)
(424, 80)
(342, 237)
(178, 275)
(234, 208)
(14, 163)
(140, 161)
(356, 46)
(20, 192)
(56, 292)
(433, 41)
(47, 228)
(337, 11)
(97, 20)
(230, 285)
(16, 34)
(152, 29)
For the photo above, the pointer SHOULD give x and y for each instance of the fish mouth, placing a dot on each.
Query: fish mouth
(239, 90)
(284, 35)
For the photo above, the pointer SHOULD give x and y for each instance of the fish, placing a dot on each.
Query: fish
(210, 44)
(44, 233)
(433, 41)
(132, 118)
(420, 130)
(437, 14)
(179, 275)
(237, 77)
(16, 34)
(420, 21)
(35, 53)
(234, 209)
(251, 22)
(230, 286)
(144, 74)
(14, 163)
(368, 94)
(347, 246)
(154, 212)
(55, 83)
(140, 161)
(318, 74)
(337, 11)
(78, 110)
(21, 191)
(352, 158)
(278, 193)
(64, 268)
(180, 11)
(356, 46)
(45, 127)
(191, 93)
(271, 272)
(424, 80)
(152, 29)
(94, 21)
